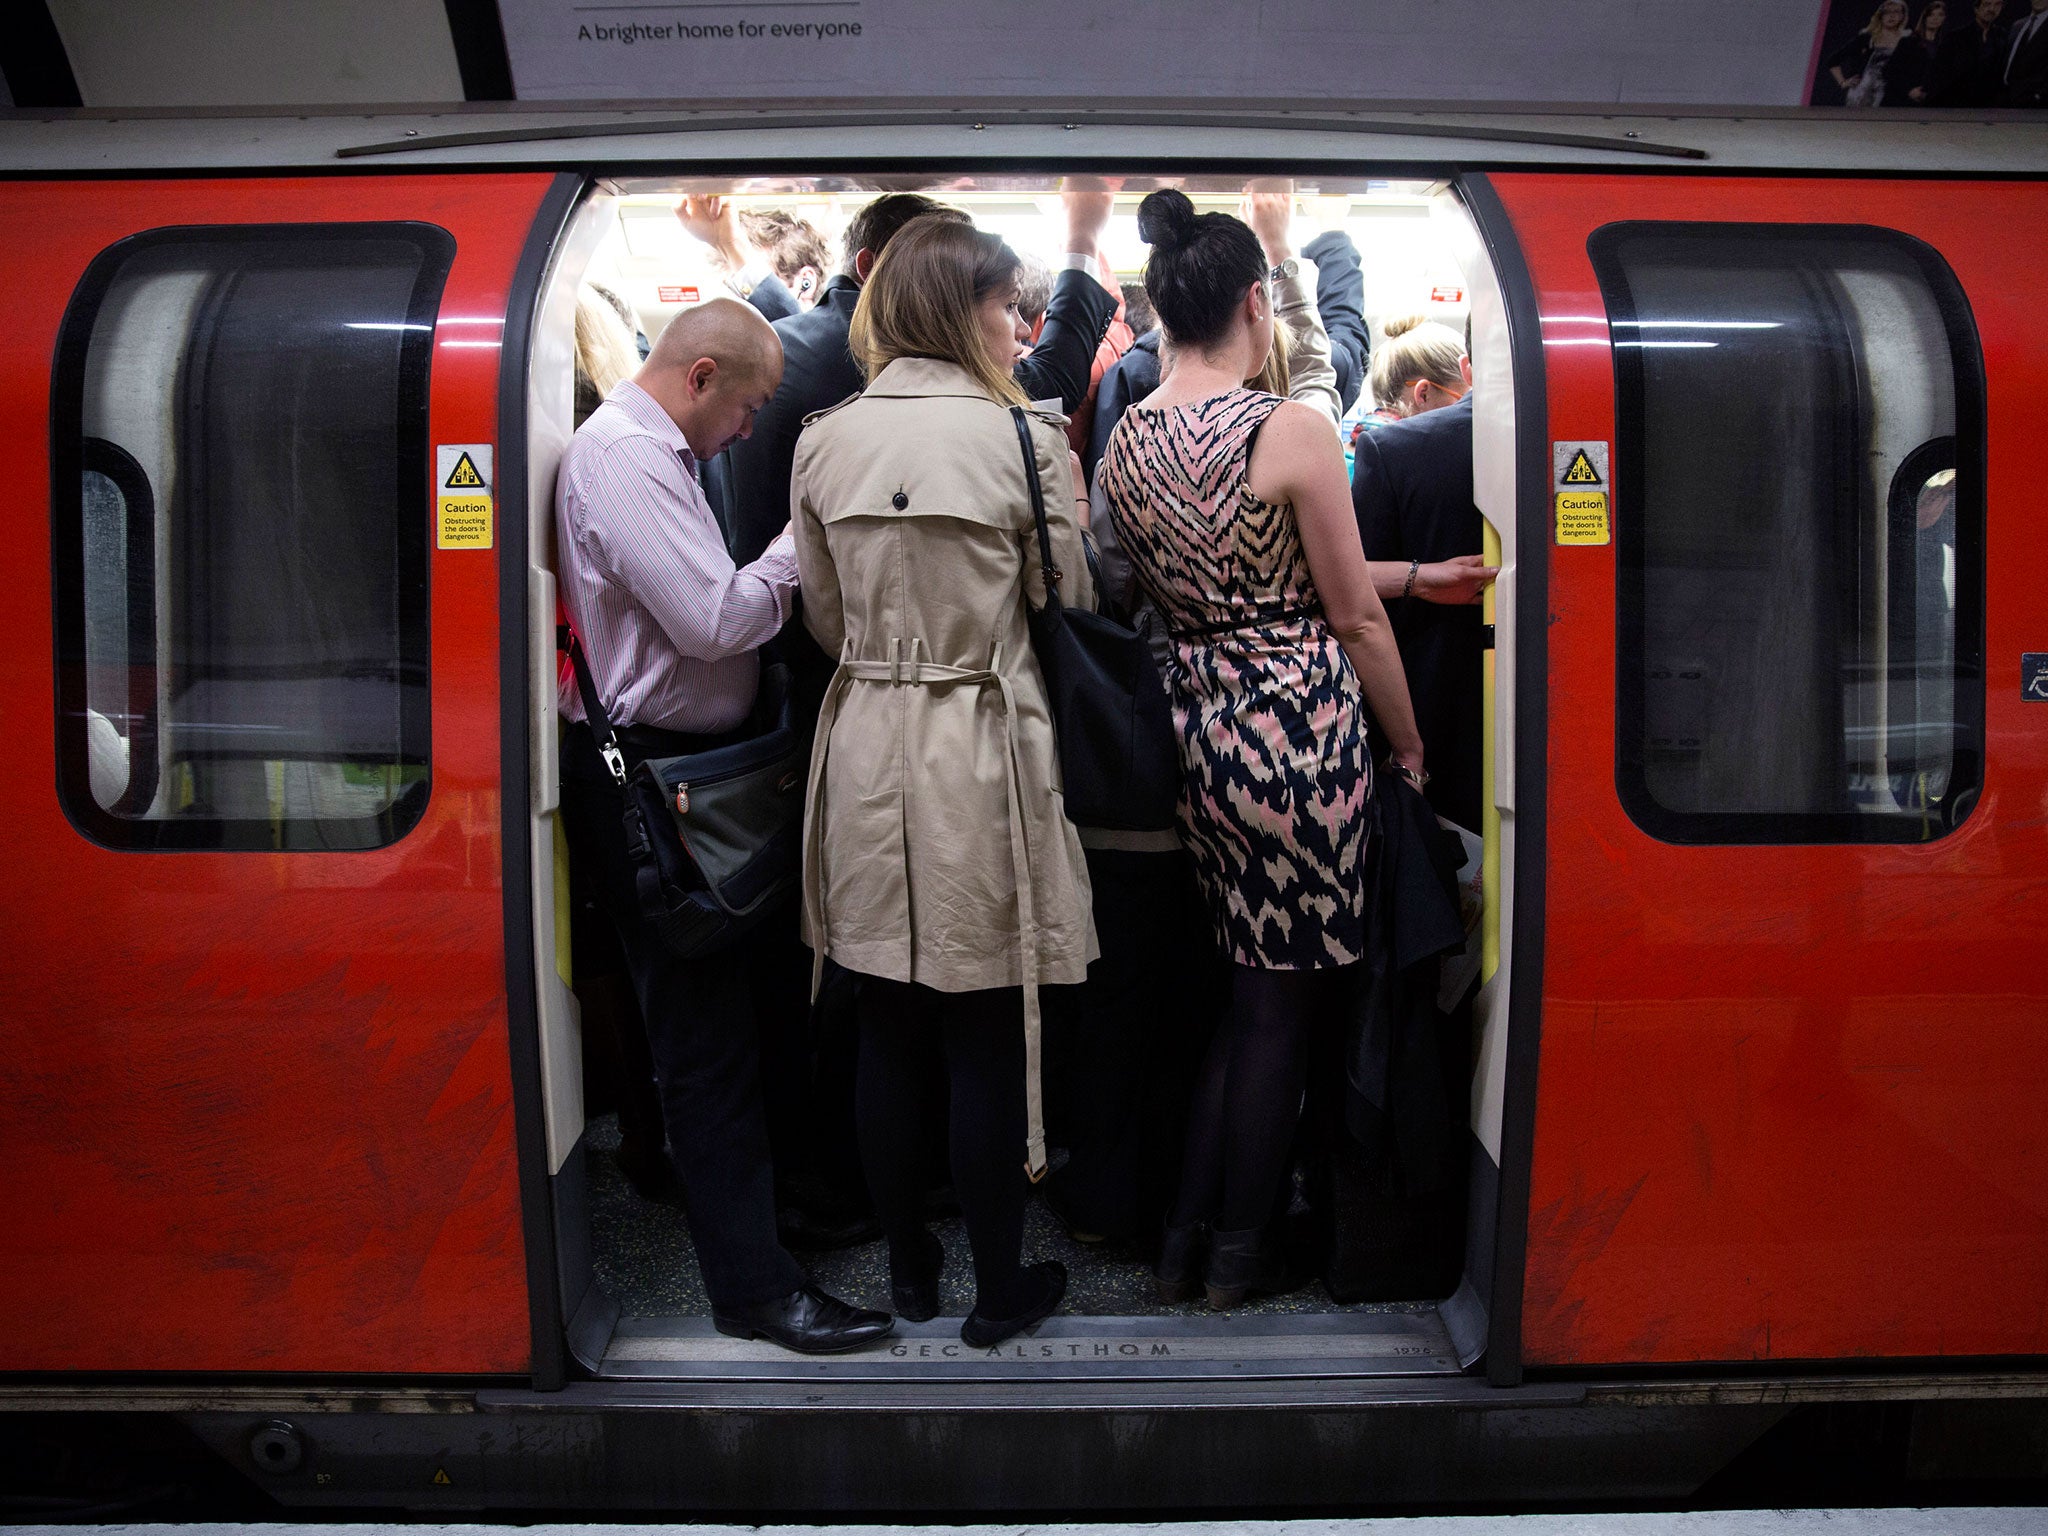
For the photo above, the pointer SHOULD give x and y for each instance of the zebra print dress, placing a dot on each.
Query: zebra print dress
(1271, 723)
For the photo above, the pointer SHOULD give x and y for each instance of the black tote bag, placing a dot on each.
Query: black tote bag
(715, 836)
(1117, 753)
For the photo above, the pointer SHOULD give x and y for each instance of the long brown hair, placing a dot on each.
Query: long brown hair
(920, 298)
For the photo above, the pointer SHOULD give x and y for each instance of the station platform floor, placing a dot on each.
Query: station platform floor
(1773, 1522)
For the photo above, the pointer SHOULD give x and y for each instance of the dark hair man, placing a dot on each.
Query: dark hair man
(752, 483)
(1970, 58)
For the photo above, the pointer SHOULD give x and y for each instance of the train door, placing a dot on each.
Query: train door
(257, 1071)
(1791, 1052)
(629, 1289)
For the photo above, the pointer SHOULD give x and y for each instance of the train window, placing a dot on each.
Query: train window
(1799, 531)
(239, 493)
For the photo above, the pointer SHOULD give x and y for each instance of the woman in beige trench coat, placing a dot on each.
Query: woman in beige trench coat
(938, 864)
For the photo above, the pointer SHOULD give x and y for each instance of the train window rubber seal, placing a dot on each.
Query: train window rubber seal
(1758, 242)
(72, 454)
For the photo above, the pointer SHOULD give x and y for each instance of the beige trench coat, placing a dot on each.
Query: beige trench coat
(936, 849)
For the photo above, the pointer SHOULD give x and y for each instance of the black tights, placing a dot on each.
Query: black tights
(1248, 1096)
(981, 1038)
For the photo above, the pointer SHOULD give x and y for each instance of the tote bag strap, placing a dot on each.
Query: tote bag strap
(593, 706)
(1052, 572)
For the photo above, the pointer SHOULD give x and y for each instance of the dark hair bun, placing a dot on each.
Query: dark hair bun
(1166, 218)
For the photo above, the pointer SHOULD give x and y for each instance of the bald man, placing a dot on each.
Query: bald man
(672, 631)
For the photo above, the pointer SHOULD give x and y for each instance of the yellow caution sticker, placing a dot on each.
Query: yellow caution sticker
(1582, 517)
(464, 477)
(1578, 472)
(1581, 471)
(464, 522)
(462, 496)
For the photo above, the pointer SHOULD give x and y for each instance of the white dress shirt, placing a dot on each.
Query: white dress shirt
(671, 627)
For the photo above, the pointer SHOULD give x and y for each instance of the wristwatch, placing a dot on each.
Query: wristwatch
(1283, 271)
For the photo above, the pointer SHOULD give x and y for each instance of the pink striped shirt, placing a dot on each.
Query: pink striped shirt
(671, 627)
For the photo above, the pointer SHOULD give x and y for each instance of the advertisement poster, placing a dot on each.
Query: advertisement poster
(1459, 53)
(1993, 53)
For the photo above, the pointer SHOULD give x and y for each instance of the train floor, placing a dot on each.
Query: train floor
(645, 1261)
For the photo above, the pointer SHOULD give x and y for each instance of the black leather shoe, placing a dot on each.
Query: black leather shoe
(819, 1232)
(807, 1321)
(982, 1332)
(914, 1280)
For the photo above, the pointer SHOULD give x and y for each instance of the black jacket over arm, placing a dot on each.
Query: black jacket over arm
(1411, 487)
(1077, 317)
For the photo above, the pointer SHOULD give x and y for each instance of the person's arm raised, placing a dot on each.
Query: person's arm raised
(1297, 460)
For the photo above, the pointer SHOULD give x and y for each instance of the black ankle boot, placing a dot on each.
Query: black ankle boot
(1244, 1263)
(914, 1279)
(1047, 1282)
(1178, 1270)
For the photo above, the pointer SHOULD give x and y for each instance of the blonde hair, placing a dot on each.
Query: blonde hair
(919, 301)
(605, 350)
(1273, 376)
(1416, 348)
(1876, 23)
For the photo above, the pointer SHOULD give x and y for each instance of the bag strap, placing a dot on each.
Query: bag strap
(1052, 572)
(593, 707)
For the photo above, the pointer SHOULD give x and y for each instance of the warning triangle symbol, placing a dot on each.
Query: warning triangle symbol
(1581, 472)
(441, 1478)
(463, 477)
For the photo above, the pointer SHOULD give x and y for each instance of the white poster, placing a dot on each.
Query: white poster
(1458, 52)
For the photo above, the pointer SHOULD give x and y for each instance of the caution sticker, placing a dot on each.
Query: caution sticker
(1580, 482)
(1582, 517)
(462, 496)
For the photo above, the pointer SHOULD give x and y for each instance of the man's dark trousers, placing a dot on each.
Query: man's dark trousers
(700, 1028)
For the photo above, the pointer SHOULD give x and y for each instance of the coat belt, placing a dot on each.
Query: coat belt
(905, 668)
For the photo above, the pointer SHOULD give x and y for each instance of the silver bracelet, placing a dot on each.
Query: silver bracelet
(1408, 586)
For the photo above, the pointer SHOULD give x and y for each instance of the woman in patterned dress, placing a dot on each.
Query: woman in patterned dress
(1234, 510)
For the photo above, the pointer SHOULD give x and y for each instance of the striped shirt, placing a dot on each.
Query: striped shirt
(671, 627)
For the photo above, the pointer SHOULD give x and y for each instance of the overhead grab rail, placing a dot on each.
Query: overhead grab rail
(1011, 118)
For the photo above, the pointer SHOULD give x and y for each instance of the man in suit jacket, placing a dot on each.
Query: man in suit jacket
(2026, 60)
(749, 483)
(1411, 488)
(1969, 59)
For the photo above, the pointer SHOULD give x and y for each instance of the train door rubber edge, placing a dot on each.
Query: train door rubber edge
(536, 1201)
(1532, 735)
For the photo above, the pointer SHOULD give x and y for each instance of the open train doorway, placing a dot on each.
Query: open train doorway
(1394, 1279)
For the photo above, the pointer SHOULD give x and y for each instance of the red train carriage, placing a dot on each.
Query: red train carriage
(292, 1096)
